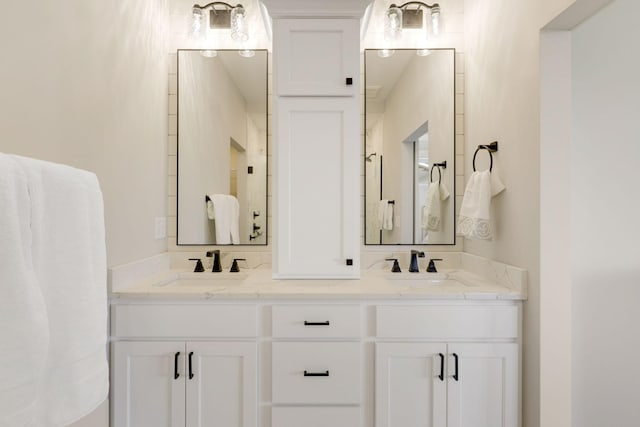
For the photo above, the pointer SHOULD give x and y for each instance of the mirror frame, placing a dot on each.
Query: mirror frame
(364, 152)
(267, 154)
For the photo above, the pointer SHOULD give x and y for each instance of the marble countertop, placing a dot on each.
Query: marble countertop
(373, 284)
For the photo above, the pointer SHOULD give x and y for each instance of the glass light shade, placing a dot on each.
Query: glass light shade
(385, 53)
(197, 18)
(247, 53)
(209, 53)
(393, 23)
(423, 52)
(435, 21)
(239, 30)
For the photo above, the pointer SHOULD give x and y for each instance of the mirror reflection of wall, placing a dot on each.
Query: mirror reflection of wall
(410, 128)
(222, 148)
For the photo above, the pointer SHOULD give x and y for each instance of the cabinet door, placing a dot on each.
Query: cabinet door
(315, 57)
(222, 390)
(409, 388)
(486, 392)
(145, 391)
(317, 200)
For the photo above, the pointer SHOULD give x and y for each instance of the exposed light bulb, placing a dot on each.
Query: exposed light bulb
(386, 53)
(423, 52)
(239, 30)
(393, 23)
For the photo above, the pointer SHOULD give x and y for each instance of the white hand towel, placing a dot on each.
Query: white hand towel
(385, 215)
(227, 217)
(69, 257)
(474, 219)
(24, 329)
(211, 213)
(432, 210)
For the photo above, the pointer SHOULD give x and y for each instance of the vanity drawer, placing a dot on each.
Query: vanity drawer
(184, 321)
(316, 372)
(447, 322)
(316, 321)
(316, 416)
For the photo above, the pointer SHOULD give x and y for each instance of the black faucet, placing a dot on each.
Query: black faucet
(217, 268)
(413, 266)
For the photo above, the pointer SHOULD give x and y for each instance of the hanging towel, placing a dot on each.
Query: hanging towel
(24, 328)
(473, 222)
(385, 215)
(226, 213)
(69, 258)
(432, 209)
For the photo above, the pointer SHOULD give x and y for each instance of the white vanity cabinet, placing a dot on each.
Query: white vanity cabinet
(316, 148)
(464, 380)
(209, 377)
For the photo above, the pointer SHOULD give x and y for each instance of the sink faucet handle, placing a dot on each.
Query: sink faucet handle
(199, 267)
(396, 266)
(234, 265)
(431, 268)
(217, 268)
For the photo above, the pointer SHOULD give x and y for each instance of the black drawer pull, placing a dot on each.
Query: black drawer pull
(316, 374)
(441, 376)
(327, 323)
(176, 375)
(455, 375)
(191, 365)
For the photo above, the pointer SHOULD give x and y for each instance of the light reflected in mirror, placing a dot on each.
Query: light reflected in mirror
(222, 148)
(410, 147)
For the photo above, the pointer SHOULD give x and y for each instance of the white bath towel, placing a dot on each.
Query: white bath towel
(24, 328)
(226, 212)
(432, 209)
(385, 215)
(69, 258)
(474, 219)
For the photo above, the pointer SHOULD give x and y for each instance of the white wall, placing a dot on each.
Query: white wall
(83, 83)
(605, 211)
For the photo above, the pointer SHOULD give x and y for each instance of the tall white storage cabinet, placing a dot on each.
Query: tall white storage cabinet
(316, 148)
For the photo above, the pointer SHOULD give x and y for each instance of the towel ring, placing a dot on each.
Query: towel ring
(490, 157)
(439, 174)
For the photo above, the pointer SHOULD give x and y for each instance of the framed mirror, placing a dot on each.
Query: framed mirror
(222, 147)
(409, 153)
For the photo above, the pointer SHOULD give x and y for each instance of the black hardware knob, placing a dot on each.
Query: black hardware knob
(396, 266)
(199, 267)
(176, 375)
(441, 376)
(431, 268)
(327, 323)
(234, 265)
(455, 358)
(349, 81)
(256, 227)
(217, 268)
(256, 213)
(349, 262)
(191, 365)
(316, 374)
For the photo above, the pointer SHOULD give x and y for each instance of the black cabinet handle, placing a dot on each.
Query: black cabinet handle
(176, 375)
(441, 376)
(455, 358)
(316, 374)
(316, 323)
(191, 365)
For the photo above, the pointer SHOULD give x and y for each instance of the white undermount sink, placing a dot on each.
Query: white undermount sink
(417, 276)
(210, 280)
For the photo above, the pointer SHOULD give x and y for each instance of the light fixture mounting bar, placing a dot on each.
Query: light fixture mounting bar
(413, 18)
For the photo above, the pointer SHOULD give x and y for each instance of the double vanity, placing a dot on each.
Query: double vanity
(390, 349)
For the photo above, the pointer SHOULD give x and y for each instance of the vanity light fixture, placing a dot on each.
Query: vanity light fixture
(399, 17)
(221, 15)
(423, 52)
(247, 53)
(209, 53)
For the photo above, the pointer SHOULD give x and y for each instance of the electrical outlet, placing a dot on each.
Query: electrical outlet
(161, 227)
